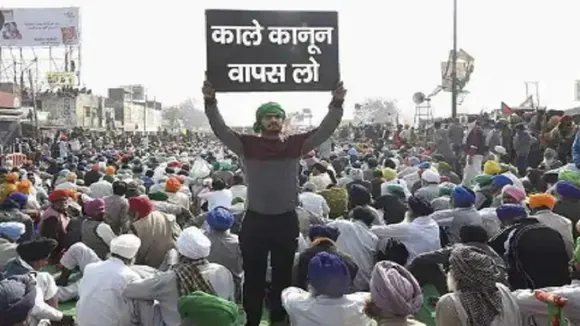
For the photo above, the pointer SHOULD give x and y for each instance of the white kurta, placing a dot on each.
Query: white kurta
(306, 310)
(533, 310)
(101, 301)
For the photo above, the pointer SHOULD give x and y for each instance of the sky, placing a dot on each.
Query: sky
(389, 48)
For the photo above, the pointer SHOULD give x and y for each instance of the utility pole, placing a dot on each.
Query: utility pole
(454, 64)
(34, 113)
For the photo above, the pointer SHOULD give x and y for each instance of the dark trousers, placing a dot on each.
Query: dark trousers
(522, 165)
(260, 235)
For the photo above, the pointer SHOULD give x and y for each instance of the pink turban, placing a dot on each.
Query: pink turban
(394, 290)
(94, 207)
(516, 193)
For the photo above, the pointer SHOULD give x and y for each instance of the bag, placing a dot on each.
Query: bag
(200, 169)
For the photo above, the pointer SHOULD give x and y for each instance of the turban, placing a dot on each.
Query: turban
(484, 179)
(396, 189)
(270, 108)
(542, 200)
(568, 189)
(309, 186)
(17, 297)
(328, 275)
(237, 200)
(491, 168)
(518, 194)
(394, 290)
(96, 167)
(511, 211)
(158, 196)
(204, 309)
(570, 175)
(71, 177)
(172, 185)
(323, 231)
(389, 174)
(37, 249)
(12, 230)
(220, 219)
(445, 189)
(12, 177)
(444, 167)
(501, 181)
(19, 199)
(94, 207)
(125, 245)
(356, 174)
(24, 186)
(424, 165)
(359, 195)
(419, 206)
(462, 197)
(500, 150)
(431, 176)
(140, 205)
(193, 244)
(110, 171)
(57, 195)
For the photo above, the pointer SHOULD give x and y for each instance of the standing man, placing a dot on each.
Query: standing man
(270, 225)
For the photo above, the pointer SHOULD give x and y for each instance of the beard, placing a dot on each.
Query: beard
(451, 283)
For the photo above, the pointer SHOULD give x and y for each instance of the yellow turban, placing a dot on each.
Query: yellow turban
(491, 168)
(542, 200)
(6, 190)
(389, 174)
(110, 170)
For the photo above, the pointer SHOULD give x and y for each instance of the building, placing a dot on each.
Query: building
(135, 112)
(67, 110)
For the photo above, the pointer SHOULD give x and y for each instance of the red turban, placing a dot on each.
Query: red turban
(57, 195)
(141, 205)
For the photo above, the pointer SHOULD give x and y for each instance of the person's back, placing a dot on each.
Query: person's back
(100, 294)
(225, 250)
(157, 232)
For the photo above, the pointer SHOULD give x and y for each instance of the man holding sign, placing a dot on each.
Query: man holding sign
(270, 224)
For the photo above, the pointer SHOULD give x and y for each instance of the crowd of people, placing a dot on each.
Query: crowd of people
(472, 225)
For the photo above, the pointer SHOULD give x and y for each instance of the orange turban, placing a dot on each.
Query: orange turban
(57, 195)
(172, 185)
(110, 170)
(24, 186)
(542, 200)
(12, 177)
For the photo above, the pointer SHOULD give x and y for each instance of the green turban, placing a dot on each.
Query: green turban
(396, 189)
(204, 309)
(158, 196)
(237, 200)
(484, 179)
(446, 188)
(444, 167)
(270, 108)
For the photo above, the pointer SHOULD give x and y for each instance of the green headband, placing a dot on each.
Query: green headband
(270, 108)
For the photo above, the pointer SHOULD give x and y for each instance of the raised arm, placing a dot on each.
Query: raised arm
(329, 123)
(224, 133)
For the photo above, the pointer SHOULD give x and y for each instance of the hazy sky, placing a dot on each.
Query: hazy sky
(389, 48)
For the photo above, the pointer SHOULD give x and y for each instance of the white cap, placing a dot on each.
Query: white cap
(431, 176)
(125, 245)
(193, 244)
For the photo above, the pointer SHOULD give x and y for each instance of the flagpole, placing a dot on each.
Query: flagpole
(454, 64)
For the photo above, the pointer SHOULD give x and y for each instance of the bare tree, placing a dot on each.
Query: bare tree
(185, 115)
(377, 110)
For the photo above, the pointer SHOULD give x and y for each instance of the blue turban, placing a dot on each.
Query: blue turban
(424, 165)
(12, 230)
(19, 198)
(511, 212)
(323, 231)
(462, 197)
(568, 189)
(220, 219)
(501, 180)
(328, 275)
(17, 295)
(413, 161)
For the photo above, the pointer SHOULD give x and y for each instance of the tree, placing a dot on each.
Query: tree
(185, 115)
(377, 110)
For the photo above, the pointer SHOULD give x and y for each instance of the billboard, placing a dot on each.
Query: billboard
(23, 27)
(61, 78)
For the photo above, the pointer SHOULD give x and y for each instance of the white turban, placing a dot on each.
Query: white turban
(431, 176)
(125, 245)
(193, 244)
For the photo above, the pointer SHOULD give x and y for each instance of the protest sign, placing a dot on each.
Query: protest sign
(249, 51)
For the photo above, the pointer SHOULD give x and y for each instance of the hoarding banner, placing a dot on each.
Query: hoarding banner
(24, 27)
(60, 78)
(251, 51)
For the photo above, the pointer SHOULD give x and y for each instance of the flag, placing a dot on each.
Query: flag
(528, 103)
(505, 109)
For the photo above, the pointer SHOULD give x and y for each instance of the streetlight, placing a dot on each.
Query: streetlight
(454, 64)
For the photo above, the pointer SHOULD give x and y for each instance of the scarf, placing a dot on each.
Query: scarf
(476, 274)
(189, 278)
